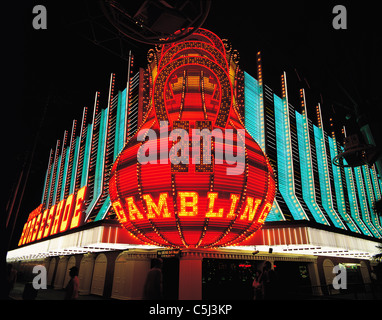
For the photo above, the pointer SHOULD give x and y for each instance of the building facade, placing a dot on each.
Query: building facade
(322, 215)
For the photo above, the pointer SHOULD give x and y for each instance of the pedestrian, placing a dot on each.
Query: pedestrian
(269, 282)
(153, 289)
(257, 286)
(73, 285)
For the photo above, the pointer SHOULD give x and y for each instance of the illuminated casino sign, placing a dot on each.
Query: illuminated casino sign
(192, 176)
(65, 215)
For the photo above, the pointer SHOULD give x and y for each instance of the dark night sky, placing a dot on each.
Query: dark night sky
(293, 36)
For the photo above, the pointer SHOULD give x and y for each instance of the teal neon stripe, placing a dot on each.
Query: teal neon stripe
(120, 124)
(43, 191)
(74, 168)
(254, 123)
(98, 178)
(105, 207)
(323, 174)
(284, 160)
(371, 198)
(306, 169)
(85, 167)
(50, 185)
(376, 187)
(353, 202)
(363, 202)
(254, 116)
(118, 145)
(66, 166)
(338, 187)
(56, 182)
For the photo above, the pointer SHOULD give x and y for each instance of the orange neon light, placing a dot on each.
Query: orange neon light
(133, 210)
(211, 214)
(68, 212)
(119, 211)
(57, 217)
(42, 224)
(184, 204)
(35, 229)
(185, 193)
(48, 224)
(78, 214)
(160, 210)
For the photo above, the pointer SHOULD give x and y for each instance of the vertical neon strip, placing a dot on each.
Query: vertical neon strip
(60, 173)
(47, 180)
(252, 108)
(101, 154)
(363, 202)
(306, 167)
(126, 105)
(284, 155)
(376, 186)
(54, 201)
(338, 187)
(107, 203)
(89, 140)
(100, 162)
(88, 146)
(71, 164)
(65, 173)
(261, 117)
(353, 202)
(120, 134)
(371, 198)
(72, 188)
(254, 123)
(374, 178)
(323, 172)
(81, 151)
(45, 184)
(52, 179)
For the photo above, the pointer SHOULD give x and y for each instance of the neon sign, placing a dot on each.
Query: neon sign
(188, 203)
(65, 215)
(174, 186)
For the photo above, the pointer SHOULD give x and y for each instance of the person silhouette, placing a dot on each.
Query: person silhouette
(73, 285)
(153, 288)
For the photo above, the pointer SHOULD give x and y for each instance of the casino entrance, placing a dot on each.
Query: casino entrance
(227, 279)
(170, 272)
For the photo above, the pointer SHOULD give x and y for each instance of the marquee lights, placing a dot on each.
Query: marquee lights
(189, 207)
(215, 198)
(67, 214)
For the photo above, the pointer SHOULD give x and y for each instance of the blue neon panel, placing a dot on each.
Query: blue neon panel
(254, 122)
(118, 144)
(363, 202)
(66, 165)
(45, 185)
(340, 198)
(49, 185)
(284, 161)
(85, 167)
(98, 178)
(252, 111)
(370, 198)
(74, 165)
(120, 124)
(56, 182)
(323, 174)
(306, 169)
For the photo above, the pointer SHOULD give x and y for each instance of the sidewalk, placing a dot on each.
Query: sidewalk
(48, 294)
